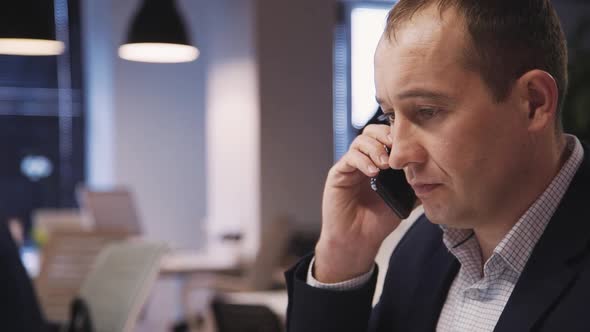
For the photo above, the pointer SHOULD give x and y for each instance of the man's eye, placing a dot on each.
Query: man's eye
(427, 113)
(389, 117)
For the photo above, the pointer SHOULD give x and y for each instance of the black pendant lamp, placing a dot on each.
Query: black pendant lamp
(27, 27)
(158, 34)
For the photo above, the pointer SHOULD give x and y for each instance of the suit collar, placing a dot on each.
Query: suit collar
(432, 292)
(554, 262)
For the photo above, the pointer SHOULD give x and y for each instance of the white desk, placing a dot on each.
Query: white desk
(192, 261)
(174, 262)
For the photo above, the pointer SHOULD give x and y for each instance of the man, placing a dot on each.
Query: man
(473, 91)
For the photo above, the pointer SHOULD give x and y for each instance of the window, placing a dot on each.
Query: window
(357, 35)
(42, 124)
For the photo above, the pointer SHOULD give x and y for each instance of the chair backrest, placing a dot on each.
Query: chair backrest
(274, 242)
(231, 317)
(66, 260)
(119, 284)
(48, 221)
(111, 209)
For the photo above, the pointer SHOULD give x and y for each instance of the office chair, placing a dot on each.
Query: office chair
(119, 284)
(231, 317)
(111, 209)
(66, 261)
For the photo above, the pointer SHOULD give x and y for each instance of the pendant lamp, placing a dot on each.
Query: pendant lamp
(27, 27)
(158, 34)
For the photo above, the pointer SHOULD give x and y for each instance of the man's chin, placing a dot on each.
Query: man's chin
(435, 214)
(445, 217)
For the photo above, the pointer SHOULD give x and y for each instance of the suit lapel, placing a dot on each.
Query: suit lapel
(554, 262)
(432, 290)
(533, 297)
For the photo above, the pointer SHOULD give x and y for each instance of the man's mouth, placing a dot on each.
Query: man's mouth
(423, 189)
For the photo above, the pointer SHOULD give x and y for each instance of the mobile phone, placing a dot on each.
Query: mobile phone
(393, 188)
(391, 183)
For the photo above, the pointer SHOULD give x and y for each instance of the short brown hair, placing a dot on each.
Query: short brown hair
(508, 38)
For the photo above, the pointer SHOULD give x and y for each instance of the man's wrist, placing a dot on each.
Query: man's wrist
(353, 283)
(334, 265)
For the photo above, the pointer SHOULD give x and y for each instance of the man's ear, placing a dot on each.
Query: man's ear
(538, 90)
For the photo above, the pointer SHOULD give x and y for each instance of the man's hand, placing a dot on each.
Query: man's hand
(355, 220)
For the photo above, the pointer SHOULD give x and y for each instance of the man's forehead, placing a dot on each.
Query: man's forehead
(427, 27)
(429, 38)
(427, 52)
(423, 55)
(430, 17)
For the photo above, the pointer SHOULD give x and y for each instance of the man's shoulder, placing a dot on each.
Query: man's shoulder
(423, 234)
(421, 242)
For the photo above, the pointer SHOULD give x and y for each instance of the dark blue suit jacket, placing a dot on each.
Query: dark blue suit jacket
(552, 294)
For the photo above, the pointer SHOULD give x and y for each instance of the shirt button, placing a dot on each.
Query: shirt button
(473, 294)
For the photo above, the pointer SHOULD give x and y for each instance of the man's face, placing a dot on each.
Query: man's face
(463, 152)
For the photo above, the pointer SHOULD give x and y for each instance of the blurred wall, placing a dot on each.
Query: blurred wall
(147, 123)
(233, 123)
(269, 104)
(295, 47)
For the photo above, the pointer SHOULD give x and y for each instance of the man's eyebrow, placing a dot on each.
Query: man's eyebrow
(427, 94)
(421, 93)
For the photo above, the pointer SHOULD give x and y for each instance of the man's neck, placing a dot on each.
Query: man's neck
(490, 233)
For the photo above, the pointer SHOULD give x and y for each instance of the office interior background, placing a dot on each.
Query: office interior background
(216, 149)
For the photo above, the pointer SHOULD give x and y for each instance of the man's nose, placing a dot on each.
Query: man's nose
(406, 147)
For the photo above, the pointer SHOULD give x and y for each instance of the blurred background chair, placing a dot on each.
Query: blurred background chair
(47, 221)
(230, 317)
(111, 209)
(118, 285)
(257, 282)
(265, 272)
(66, 260)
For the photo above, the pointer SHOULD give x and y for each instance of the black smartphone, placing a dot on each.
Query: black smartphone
(392, 186)
(391, 183)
